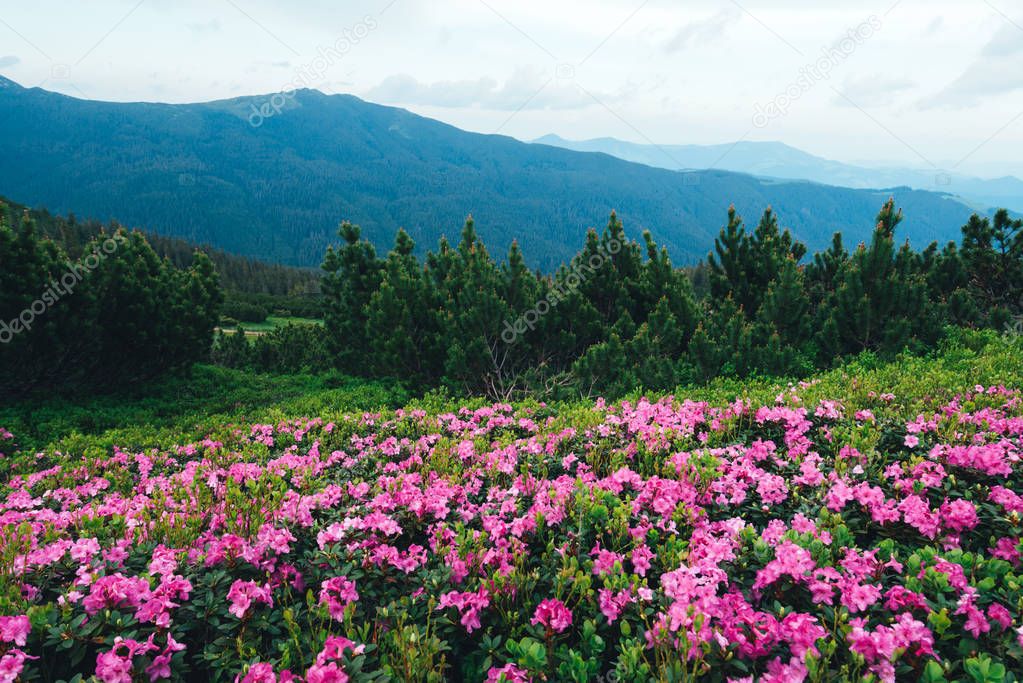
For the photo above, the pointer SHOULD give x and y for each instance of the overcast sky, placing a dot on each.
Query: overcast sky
(924, 83)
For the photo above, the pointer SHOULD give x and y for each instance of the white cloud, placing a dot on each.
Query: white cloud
(875, 90)
(1008, 41)
(527, 88)
(997, 71)
(988, 77)
(212, 26)
(9, 60)
(702, 31)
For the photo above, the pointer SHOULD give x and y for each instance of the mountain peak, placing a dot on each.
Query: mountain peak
(8, 83)
(271, 176)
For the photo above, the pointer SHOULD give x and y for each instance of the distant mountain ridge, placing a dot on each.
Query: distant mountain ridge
(778, 160)
(277, 190)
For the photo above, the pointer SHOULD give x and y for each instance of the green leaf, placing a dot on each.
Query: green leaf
(933, 673)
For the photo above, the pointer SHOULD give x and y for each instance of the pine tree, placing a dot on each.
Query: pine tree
(478, 360)
(608, 270)
(115, 316)
(992, 251)
(783, 328)
(352, 274)
(722, 343)
(728, 269)
(401, 321)
(746, 264)
(822, 272)
(878, 301)
(45, 338)
(232, 350)
(604, 370)
(665, 285)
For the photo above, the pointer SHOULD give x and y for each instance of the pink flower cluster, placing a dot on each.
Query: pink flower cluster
(337, 593)
(243, 593)
(552, 614)
(870, 534)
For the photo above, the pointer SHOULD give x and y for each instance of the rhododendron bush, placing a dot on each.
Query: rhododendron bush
(672, 540)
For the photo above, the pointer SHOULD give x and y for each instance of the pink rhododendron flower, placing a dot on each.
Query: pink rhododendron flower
(552, 614)
(260, 672)
(15, 630)
(242, 594)
(738, 531)
(468, 604)
(509, 673)
(959, 515)
(12, 663)
(113, 668)
(326, 673)
(604, 561)
(802, 631)
(1000, 615)
(1007, 548)
(641, 556)
(116, 591)
(337, 593)
(772, 489)
(858, 597)
(611, 603)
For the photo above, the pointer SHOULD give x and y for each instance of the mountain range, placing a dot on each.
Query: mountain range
(272, 176)
(778, 160)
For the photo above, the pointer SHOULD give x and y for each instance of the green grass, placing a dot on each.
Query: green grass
(190, 407)
(964, 359)
(211, 399)
(271, 323)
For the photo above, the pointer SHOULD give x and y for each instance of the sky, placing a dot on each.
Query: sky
(918, 83)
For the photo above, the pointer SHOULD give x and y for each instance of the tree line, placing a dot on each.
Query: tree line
(620, 316)
(112, 314)
(253, 289)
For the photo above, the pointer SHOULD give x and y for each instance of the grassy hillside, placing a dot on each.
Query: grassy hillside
(862, 525)
(187, 408)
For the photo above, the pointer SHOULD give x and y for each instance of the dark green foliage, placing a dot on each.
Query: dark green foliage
(722, 343)
(402, 320)
(232, 349)
(783, 328)
(620, 317)
(745, 264)
(822, 272)
(291, 349)
(352, 274)
(294, 348)
(282, 305)
(243, 311)
(116, 315)
(993, 253)
(473, 312)
(604, 370)
(245, 279)
(880, 296)
(43, 343)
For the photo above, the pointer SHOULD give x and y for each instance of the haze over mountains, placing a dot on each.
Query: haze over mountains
(778, 160)
(271, 176)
